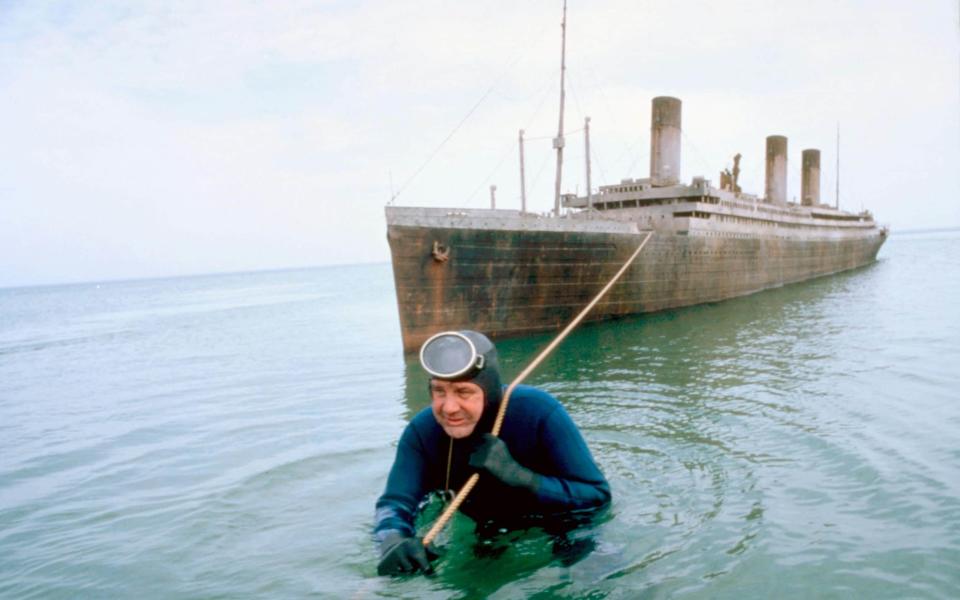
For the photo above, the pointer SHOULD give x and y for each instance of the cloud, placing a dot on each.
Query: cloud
(173, 137)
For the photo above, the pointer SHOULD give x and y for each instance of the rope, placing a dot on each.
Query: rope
(498, 423)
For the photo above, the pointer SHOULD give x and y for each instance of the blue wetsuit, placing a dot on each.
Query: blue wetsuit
(539, 435)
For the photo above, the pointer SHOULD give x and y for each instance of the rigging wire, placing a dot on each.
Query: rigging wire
(566, 132)
(503, 157)
(628, 150)
(545, 89)
(536, 177)
(632, 151)
(752, 173)
(689, 142)
(573, 92)
(489, 177)
(576, 101)
(442, 144)
(486, 94)
(603, 95)
(544, 93)
(594, 156)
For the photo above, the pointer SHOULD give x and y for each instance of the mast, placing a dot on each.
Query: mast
(523, 179)
(586, 143)
(558, 141)
(837, 197)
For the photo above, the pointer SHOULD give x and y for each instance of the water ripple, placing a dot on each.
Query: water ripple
(227, 436)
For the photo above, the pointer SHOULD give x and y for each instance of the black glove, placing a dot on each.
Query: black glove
(402, 554)
(493, 457)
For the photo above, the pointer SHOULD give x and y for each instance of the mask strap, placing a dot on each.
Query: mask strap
(446, 486)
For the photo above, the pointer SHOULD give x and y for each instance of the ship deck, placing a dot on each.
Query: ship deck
(507, 273)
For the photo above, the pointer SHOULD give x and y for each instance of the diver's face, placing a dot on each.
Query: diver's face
(457, 406)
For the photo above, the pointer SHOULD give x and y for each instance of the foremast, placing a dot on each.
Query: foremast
(558, 141)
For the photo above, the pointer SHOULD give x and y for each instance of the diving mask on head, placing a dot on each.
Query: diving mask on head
(451, 355)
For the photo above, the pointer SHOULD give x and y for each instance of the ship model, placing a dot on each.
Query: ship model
(513, 272)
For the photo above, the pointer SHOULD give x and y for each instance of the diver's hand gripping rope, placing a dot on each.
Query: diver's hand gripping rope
(465, 490)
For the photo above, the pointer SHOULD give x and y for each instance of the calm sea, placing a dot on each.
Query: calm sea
(226, 437)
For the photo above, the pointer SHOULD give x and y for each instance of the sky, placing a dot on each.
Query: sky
(162, 138)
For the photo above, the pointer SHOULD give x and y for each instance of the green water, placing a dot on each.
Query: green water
(227, 437)
(803, 442)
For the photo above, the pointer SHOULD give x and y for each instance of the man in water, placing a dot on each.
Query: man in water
(539, 470)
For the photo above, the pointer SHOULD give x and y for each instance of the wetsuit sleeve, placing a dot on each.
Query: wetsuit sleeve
(571, 479)
(406, 487)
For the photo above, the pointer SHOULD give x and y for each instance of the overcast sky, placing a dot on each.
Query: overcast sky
(156, 138)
